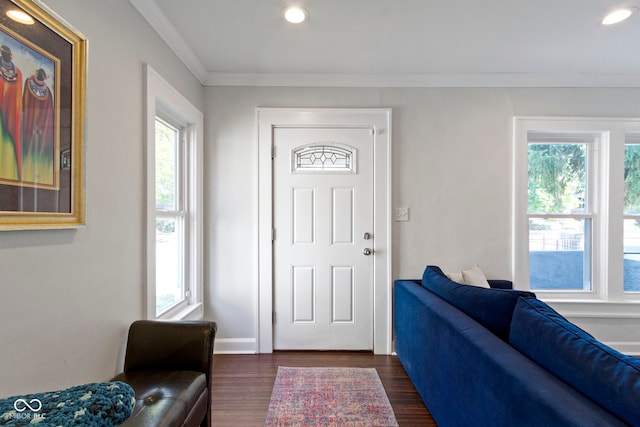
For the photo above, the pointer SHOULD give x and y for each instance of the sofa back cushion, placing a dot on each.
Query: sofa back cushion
(492, 308)
(603, 374)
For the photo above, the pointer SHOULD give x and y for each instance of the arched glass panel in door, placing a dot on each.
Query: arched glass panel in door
(324, 157)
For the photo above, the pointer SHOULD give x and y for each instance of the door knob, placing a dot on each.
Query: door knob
(367, 251)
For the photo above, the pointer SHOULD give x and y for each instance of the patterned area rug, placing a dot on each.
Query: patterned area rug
(346, 397)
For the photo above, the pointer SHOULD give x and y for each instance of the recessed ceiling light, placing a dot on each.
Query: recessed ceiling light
(295, 14)
(619, 15)
(20, 16)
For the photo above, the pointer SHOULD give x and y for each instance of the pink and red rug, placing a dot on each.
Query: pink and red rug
(346, 397)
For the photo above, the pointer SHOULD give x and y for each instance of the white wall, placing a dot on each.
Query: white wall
(68, 296)
(452, 168)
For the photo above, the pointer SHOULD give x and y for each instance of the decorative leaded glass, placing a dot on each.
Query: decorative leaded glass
(324, 157)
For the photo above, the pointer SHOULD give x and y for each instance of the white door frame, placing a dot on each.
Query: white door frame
(380, 120)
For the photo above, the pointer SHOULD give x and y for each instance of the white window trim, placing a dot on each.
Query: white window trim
(161, 97)
(607, 213)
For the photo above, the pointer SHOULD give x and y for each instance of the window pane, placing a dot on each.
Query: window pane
(632, 255)
(557, 178)
(632, 179)
(632, 225)
(169, 274)
(166, 166)
(557, 256)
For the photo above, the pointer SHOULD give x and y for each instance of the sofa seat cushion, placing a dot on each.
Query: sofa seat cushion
(605, 375)
(174, 397)
(492, 308)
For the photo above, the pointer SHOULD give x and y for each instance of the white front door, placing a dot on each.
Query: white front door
(314, 203)
(323, 249)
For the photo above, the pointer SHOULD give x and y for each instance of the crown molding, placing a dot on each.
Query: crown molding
(167, 32)
(424, 80)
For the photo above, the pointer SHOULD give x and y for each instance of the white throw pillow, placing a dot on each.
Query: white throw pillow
(456, 276)
(475, 277)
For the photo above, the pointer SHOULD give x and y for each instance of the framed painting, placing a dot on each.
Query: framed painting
(42, 102)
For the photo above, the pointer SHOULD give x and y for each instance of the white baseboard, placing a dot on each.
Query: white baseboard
(234, 346)
(248, 346)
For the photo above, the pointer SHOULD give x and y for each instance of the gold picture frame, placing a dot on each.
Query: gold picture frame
(42, 107)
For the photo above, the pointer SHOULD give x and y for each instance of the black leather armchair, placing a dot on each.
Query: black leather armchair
(169, 365)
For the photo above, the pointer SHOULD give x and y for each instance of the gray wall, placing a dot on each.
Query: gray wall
(452, 159)
(69, 295)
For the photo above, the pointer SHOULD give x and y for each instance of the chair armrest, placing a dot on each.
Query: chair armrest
(170, 345)
(156, 345)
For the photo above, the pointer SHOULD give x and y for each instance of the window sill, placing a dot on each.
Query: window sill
(190, 312)
(595, 308)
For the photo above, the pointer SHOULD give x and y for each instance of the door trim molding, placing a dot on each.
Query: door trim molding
(380, 120)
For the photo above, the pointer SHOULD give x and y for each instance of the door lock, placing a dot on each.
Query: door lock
(366, 236)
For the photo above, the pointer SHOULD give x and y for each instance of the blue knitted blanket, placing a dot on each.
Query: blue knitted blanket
(96, 404)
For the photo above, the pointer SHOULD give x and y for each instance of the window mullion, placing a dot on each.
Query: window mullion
(171, 214)
(560, 215)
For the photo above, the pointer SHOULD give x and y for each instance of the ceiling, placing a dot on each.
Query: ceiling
(401, 42)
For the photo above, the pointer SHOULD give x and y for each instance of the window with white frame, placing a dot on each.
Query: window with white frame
(631, 232)
(577, 207)
(174, 197)
(559, 210)
(172, 285)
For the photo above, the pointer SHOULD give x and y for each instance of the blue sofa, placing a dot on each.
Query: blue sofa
(501, 357)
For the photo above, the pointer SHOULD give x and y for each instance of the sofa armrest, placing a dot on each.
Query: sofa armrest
(500, 284)
(170, 345)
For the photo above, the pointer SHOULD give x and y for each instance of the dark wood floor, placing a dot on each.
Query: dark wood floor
(242, 384)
